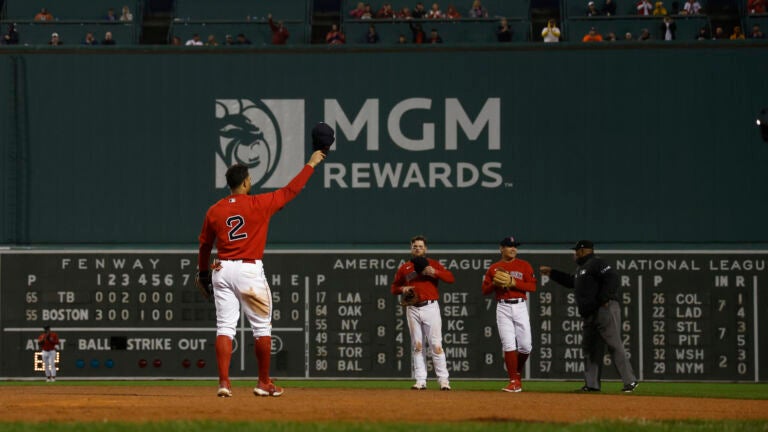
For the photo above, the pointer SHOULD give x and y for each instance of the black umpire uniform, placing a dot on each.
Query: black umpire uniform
(597, 285)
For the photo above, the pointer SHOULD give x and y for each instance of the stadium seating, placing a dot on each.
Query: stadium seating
(73, 19)
(687, 27)
(496, 8)
(465, 31)
(79, 10)
(624, 8)
(248, 17)
(73, 33)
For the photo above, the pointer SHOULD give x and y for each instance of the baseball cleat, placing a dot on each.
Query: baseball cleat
(445, 386)
(419, 386)
(513, 387)
(586, 389)
(629, 388)
(268, 390)
(224, 392)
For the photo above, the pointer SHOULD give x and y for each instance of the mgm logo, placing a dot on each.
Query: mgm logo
(265, 135)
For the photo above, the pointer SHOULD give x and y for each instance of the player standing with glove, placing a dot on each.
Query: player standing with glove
(417, 279)
(238, 226)
(509, 280)
(48, 341)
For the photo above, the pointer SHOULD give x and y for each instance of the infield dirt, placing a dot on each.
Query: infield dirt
(142, 404)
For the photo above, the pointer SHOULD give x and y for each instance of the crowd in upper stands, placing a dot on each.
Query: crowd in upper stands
(44, 15)
(667, 28)
(365, 11)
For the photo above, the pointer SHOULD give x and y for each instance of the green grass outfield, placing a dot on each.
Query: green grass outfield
(710, 390)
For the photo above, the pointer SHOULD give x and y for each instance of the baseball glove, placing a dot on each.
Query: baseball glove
(409, 297)
(419, 263)
(205, 284)
(502, 279)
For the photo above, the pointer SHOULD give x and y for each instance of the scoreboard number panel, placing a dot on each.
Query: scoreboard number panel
(686, 315)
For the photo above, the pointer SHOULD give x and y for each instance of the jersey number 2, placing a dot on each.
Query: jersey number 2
(235, 223)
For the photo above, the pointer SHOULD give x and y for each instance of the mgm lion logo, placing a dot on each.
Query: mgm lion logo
(267, 136)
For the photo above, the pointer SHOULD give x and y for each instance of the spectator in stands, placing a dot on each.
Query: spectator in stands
(419, 12)
(335, 36)
(372, 37)
(126, 15)
(628, 37)
(592, 36)
(609, 8)
(90, 39)
(659, 9)
(367, 12)
(737, 34)
(434, 37)
(504, 33)
(452, 13)
(194, 41)
(610, 37)
(402, 40)
(418, 33)
(229, 40)
(756, 6)
(719, 34)
(111, 15)
(211, 41)
(240, 39)
(11, 37)
(435, 12)
(592, 10)
(668, 29)
(478, 10)
(55, 40)
(756, 32)
(703, 34)
(645, 35)
(108, 39)
(386, 12)
(692, 7)
(279, 32)
(551, 33)
(357, 12)
(176, 41)
(44, 15)
(644, 7)
(404, 13)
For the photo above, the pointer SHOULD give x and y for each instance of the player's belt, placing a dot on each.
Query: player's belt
(246, 261)
(424, 303)
(512, 301)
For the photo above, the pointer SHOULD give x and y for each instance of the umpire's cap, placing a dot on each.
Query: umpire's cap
(583, 244)
(509, 241)
(322, 137)
(46, 328)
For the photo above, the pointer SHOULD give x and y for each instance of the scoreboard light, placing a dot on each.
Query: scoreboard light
(37, 361)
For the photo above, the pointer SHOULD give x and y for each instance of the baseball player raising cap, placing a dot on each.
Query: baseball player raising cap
(509, 280)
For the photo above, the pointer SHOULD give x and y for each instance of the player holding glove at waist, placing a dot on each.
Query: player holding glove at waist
(509, 279)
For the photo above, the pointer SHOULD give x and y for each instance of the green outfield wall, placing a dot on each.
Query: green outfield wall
(651, 144)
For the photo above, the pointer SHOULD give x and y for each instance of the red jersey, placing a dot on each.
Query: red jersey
(48, 341)
(520, 270)
(238, 224)
(424, 286)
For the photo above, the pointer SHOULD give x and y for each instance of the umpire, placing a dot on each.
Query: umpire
(596, 284)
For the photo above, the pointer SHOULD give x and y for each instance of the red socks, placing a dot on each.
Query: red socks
(223, 357)
(263, 349)
(510, 359)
